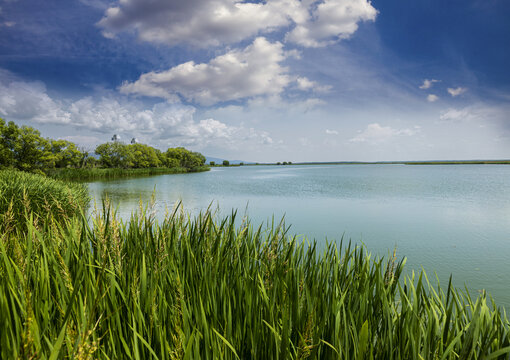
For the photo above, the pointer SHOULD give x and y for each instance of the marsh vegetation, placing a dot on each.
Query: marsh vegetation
(205, 288)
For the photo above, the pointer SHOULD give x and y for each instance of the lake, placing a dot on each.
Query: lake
(447, 219)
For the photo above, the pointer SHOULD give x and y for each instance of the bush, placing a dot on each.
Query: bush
(23, 194)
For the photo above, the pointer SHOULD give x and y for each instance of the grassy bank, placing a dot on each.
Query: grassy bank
(116, 173)
(23, 194)
(200, 288)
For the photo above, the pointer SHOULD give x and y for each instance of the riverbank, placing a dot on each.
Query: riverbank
(93, 174)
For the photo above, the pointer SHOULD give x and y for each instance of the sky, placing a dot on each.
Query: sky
(264, 81)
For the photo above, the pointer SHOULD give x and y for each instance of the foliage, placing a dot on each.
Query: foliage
(226, 163)
(138, 156)
(113, 155)
(38, 196)
(186, 159)
(23, 148)
(67, 154)
(212, 163)
(203, 289)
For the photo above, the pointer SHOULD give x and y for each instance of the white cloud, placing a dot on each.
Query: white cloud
(29, 100)
(331, 132)
(204, 23)
(375, 133)
(238, 74)
(455, 114)
(456, 91)
(432, 97)
(477, 112)
(306, 84)
(201, 23)
(164, 123)
(326, 22)
(276, 102)
(427, 84)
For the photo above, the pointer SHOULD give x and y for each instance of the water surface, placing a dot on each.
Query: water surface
(448, 219)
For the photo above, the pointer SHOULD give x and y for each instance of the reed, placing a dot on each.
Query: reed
(204, 288)
(25, 195)
(91, 174)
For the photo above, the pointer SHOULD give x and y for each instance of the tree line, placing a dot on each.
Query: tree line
(24, 148)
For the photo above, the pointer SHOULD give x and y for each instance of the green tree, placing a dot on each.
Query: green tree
(114, 155)
(66, 154)
(185, 158)
(212, 163)
(226, 163)
(143, 156)
(8, 134)
(31, 151)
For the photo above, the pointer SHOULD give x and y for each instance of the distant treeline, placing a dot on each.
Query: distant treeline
(24, 148)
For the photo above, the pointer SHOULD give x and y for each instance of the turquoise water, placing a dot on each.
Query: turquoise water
(446, 219)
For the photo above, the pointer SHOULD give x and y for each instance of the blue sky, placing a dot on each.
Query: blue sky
(298, 80)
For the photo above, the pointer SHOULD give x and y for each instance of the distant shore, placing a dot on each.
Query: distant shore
(432, 162)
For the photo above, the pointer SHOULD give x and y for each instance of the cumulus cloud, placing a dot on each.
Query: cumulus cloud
(375, 133)
(204, 23)
(201, 23)
(29, 101)
(166, 123)
(238, 74)
(326, 22)
(427, 84)
(432, 97)
(331, 132)
(456, 91)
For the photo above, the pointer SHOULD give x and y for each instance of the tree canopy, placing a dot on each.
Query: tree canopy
(119, 155)
(25, 149)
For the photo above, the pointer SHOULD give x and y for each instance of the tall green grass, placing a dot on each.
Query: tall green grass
(86, 174)
(23, 194)
(202, 288)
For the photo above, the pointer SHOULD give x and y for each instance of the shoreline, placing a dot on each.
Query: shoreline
(117, 173)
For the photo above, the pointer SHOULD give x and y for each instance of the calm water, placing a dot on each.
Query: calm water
(446, 219)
